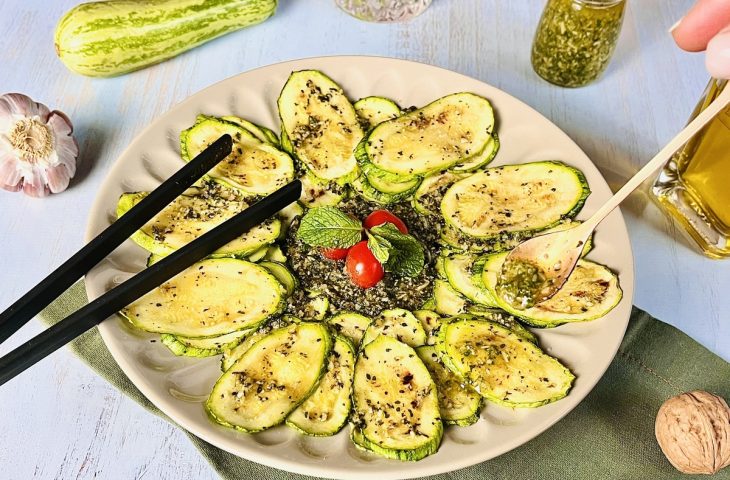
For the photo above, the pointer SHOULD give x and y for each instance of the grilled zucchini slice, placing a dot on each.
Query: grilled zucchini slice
(501, 365)
(459, 403)
(234, 352)
(189, 216)
(459, 271)
(201, 347)
(447, 300)
(254, 167)
(431, 322)
(362, 187)
(350, 324)
(590, 292)
(501, 317)
(428, 195)
(514, 198)
(422, 141)
(272, 378)
(283, 275)
(482, 159)
(385, 183)
(326, 410)
(322, 128)
(375, 110)
(264, 134)
(211, 298)
(397, 323)
(395, 402)
(316, 193)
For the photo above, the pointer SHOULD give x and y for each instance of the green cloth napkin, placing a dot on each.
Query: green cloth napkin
(610, 435)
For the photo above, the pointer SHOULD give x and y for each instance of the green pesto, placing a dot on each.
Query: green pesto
(575, 40)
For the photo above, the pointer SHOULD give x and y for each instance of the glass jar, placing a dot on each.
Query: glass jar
(694, 186)
(384, 10)
(575, 40)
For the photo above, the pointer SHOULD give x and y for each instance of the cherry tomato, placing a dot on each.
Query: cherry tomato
(379, 217)
(335, 253)
(364, 269)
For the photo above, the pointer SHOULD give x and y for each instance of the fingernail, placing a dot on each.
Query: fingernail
(717, 57)
(674, 27)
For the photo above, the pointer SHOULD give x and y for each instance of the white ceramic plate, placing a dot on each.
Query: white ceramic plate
(178, 385)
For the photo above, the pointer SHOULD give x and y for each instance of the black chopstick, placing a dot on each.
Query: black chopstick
(28, 306)
(119, 297)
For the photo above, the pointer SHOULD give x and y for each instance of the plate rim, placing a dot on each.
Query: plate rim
(289, 465)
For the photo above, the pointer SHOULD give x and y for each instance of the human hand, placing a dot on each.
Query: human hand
(707, 27)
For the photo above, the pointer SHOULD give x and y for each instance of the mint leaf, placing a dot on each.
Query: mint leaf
(406, 255)
(329, 227)
(380, 247)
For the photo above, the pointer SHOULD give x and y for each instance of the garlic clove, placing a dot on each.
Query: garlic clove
(37, 149)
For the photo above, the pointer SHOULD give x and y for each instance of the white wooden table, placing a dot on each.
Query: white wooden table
(59, 420)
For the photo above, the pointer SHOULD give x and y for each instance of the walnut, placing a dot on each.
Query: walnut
(693, 431)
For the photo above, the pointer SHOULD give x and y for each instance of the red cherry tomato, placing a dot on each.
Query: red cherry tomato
(364, 269)
(379, 217)
(335, 253)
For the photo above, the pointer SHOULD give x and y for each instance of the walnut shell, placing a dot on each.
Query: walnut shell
(693, 431)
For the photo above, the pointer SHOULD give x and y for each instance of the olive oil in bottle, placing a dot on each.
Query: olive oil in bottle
(694, 186)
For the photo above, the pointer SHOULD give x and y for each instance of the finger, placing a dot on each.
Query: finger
(717, 58)
(704, 20)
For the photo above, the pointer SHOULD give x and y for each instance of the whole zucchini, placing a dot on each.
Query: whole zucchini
(112, 37)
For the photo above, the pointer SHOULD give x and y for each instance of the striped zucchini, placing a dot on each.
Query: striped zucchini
(103, 39)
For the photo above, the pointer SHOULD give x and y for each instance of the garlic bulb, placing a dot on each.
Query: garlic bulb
(693, 431)
(37, 149)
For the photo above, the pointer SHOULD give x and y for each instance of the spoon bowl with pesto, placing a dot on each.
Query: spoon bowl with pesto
(536, 269)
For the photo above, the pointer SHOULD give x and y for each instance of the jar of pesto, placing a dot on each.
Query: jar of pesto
(575, 40)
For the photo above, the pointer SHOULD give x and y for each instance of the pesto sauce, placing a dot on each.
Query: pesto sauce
(575, 40)
(520, 283)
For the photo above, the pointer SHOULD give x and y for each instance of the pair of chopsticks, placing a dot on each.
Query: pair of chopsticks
(40, 296)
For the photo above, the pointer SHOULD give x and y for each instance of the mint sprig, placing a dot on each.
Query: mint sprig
(329, 227)
(406, 256)
(380, 247)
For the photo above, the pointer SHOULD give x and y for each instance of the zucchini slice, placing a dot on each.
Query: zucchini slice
(264, 134)
(459, 271)
(257, 255)
(316, 193)
(396, 407)
(423, 141)
(272, 378)
(326, 410)
(428, 195)
(322, 128)
(447, 300)
(350, 324)
(152, 259)
(201, 347)
(514, 198)
(590, 292)
(501, 317)
(501, 365)
(189, 216)
(254, 167)
(431, 322)
(283, 275)
(210, 298)
(375, 110)
(459, 403)
(275, 254)
(482, 159)
(362, 186)
(397, 323)
(387, 183)
(233, 353)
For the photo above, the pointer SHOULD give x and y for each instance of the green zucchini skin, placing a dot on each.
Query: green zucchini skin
(113, 37)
